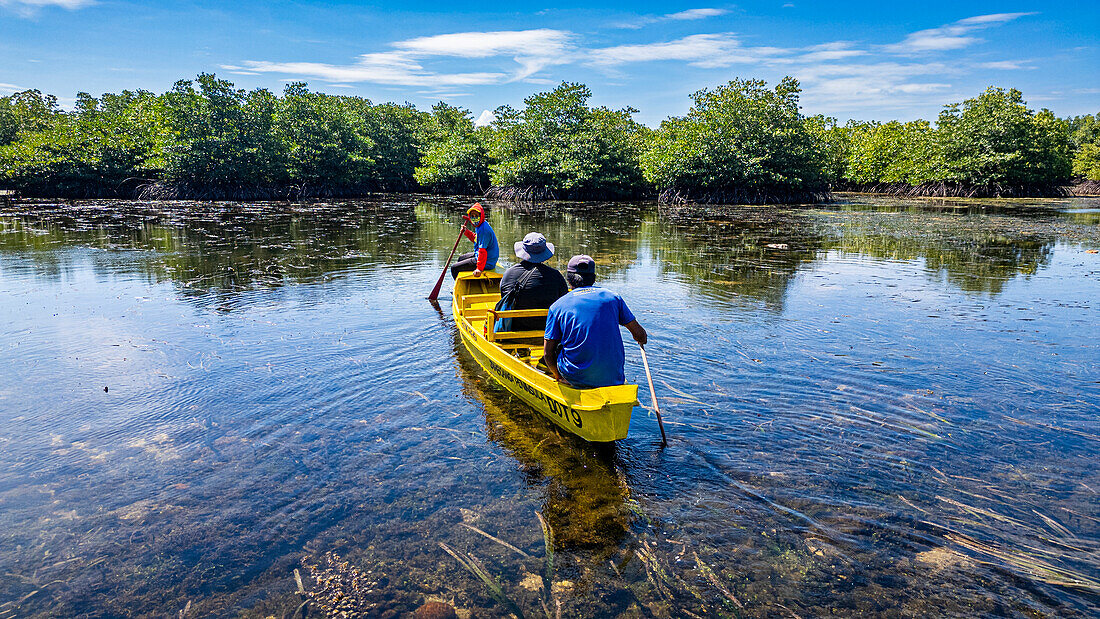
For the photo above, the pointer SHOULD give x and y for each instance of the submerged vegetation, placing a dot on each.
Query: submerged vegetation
(741, 142)
(239, 469)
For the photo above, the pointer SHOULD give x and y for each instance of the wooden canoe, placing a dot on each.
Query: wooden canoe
(599, 415)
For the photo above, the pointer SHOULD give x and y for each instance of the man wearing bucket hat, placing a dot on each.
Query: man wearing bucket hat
(531, 284)
(486, 251)
(583, 346)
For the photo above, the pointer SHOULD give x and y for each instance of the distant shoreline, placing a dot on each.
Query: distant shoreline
(1083, 189)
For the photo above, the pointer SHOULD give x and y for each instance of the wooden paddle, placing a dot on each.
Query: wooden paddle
(653, 394)
(439, 283)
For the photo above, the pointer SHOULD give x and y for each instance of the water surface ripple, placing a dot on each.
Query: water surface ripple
(875, 408)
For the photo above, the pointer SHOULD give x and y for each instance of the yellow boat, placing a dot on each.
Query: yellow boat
(599, 415)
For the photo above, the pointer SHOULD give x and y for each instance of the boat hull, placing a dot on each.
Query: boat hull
(597, 415)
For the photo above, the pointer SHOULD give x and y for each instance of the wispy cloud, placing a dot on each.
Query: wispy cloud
(540, 42)
(688, 15)
(843, 74)
(1006, 65)
(9, 88)
(952, 36)
(385, 68)
(699, 50)
(532, 50)
(695, 14)
(837, 50)
(29, 8)
(854, 86)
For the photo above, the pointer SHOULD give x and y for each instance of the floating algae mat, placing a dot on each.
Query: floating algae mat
(875, 408)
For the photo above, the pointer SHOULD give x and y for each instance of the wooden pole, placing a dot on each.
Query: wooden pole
(439, 283)
(653, 394)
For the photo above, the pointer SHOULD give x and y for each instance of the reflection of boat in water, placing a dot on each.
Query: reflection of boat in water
(598, 415)
(585, 499)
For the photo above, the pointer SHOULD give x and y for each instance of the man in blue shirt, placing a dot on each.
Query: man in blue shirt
(583, 347)
(486, 250)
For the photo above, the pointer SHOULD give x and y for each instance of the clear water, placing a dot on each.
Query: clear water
(875, 408)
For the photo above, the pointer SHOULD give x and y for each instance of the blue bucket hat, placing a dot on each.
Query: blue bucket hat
(534, 248)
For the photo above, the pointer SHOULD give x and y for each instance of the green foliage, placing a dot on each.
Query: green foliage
(456, 159)
(226, 139)
(103, 146)
(207, 138)
(740, 141)
(994, 139)
(325, 139)
(893, 152)
(741, 138)
(26, 112)
(559, 143)
(1085, 137)
(988, 143)
(834, 144)
(397, 131)
(1087, 162)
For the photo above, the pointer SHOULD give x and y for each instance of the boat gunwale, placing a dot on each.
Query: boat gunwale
(564, 395)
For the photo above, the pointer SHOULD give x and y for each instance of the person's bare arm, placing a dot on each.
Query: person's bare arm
(637, 331)
(550, 356)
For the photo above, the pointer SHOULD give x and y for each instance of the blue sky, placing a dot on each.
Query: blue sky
(864, 60)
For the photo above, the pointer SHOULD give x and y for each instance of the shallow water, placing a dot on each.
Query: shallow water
(875, 408)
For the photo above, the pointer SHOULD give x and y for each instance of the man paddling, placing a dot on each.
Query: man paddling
(486, 251)
(583, 347)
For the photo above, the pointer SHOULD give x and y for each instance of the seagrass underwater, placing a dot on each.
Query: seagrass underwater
(878, 407)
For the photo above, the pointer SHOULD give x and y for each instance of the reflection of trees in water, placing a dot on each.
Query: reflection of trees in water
(723, 251)
(975, 258)
(218, 248)
(584, 498)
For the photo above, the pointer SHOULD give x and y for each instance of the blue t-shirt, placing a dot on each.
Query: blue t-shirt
(487, 239)
(586, 322)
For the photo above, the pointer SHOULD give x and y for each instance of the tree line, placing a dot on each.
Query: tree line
(741, 142)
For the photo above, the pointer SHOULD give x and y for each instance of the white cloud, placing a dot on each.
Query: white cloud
(28, 8)
(841, 74)
(485, 119)
(65, 4)
(882, 84)
(699, 50)
(951, 36)
(992, 18)
(444, 95)
(540, 42)
(691, 14)
(688, 15)
(376, 68)
(1006, 65)
(10, 88)
(837, 50)
(532, 50)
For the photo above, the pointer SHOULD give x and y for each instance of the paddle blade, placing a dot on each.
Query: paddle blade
(439, 282)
